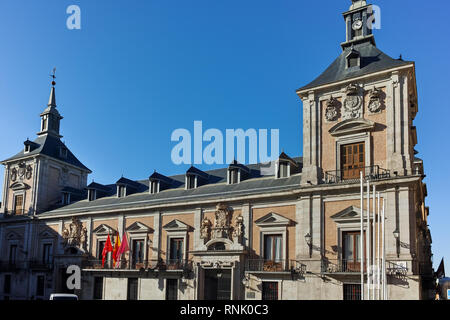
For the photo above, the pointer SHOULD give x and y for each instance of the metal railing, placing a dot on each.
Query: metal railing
(353, 175)
(154, 264)
(341, 266)
(278, 265)
(40, 265)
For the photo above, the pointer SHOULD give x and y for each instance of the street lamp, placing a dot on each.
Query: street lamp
(397, 238)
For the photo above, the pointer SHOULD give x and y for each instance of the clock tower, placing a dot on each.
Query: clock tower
(359, 22)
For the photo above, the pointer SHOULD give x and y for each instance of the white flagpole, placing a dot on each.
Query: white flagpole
(373, 241)
(383, 248)
(378, 247)
(361, 241)
(368, 240)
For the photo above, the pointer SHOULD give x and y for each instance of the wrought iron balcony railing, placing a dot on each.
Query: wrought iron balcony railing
(353, 175)
(341, 266)
(278, 265)
(180, 265)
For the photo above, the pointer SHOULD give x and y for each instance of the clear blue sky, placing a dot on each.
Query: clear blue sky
(138, 69)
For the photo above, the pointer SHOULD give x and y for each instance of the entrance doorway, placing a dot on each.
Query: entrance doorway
(218, 284)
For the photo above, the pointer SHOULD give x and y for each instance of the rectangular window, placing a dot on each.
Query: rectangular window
(352, 160)
(91, 195)
(191, 182)
(44, 124)
(7, 284)
(176, 251)
(234, 176)
(137, 252)
(47, 253)
(352, 292)
(66, 198)
(12, 254)
(154, 187)
(98, 288)
(18, 204)
(122, 191)
(171, 289)
(101, 246)
(283, 170)
(40, 285)
(270, 290)
(132, 292)
(351, 255)
(272, 247)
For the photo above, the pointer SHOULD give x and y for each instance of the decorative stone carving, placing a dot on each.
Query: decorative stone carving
(238, 229)
(13, 174)
(205, 229)
(76, 235)
(28, 173)
(352, 107)
(22, 170)
(375, 100)
(331, 112)
(222, 226)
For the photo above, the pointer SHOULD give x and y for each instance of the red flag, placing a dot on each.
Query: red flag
(123, 248)
(116, 248)
(108, 248)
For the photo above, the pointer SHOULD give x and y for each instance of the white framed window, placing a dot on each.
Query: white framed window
(284, 169)
(191, 182)
(121, 191)
(92, 194)
(234, 176)
(154, 186)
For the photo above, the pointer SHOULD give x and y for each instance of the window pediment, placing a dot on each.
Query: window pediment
(19, 186)
(350, 214)
(176, 225)
(12, 235)
(103, 230)
(272, 219)
(139, 227)
(352, 126)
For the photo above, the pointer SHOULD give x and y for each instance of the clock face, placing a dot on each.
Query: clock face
(357, 25)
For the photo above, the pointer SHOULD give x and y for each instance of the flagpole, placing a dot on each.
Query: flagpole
(368, 240)
(361, 241)
(373, 240)
(383, 247)
(378, 248)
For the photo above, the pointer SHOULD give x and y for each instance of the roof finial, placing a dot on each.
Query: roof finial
(53, 76)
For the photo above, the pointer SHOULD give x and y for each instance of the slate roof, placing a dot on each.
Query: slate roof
(372, 60)
(216, 186)
(49, 145)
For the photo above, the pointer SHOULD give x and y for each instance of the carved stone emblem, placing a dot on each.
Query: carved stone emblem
(29, 171)
(13, 174)
(76, 235)
(22, 170)
(238, 229)
(222, 226)
(352, 103)
(205, 231)
(331, 112)
(375, 100)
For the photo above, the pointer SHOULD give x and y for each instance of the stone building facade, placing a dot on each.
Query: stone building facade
(234, 233)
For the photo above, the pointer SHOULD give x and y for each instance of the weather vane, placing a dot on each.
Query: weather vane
(53, 75)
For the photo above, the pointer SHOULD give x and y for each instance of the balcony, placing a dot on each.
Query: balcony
(341, 266)
(41, 265)
(371, 173)
(144, 265)
(262, 265)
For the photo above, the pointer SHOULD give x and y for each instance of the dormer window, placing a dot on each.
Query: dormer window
(154, 186)
(27, 148)
(191, 182)
(353, 59)
(234, 176)
(92, 194)
(65, 198)
(121, 191)
(283, 171)
(63, 152)
(237, 173)
(44, 124)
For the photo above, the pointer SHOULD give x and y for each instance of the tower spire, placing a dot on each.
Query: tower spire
(52, 99)
(51, 118)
